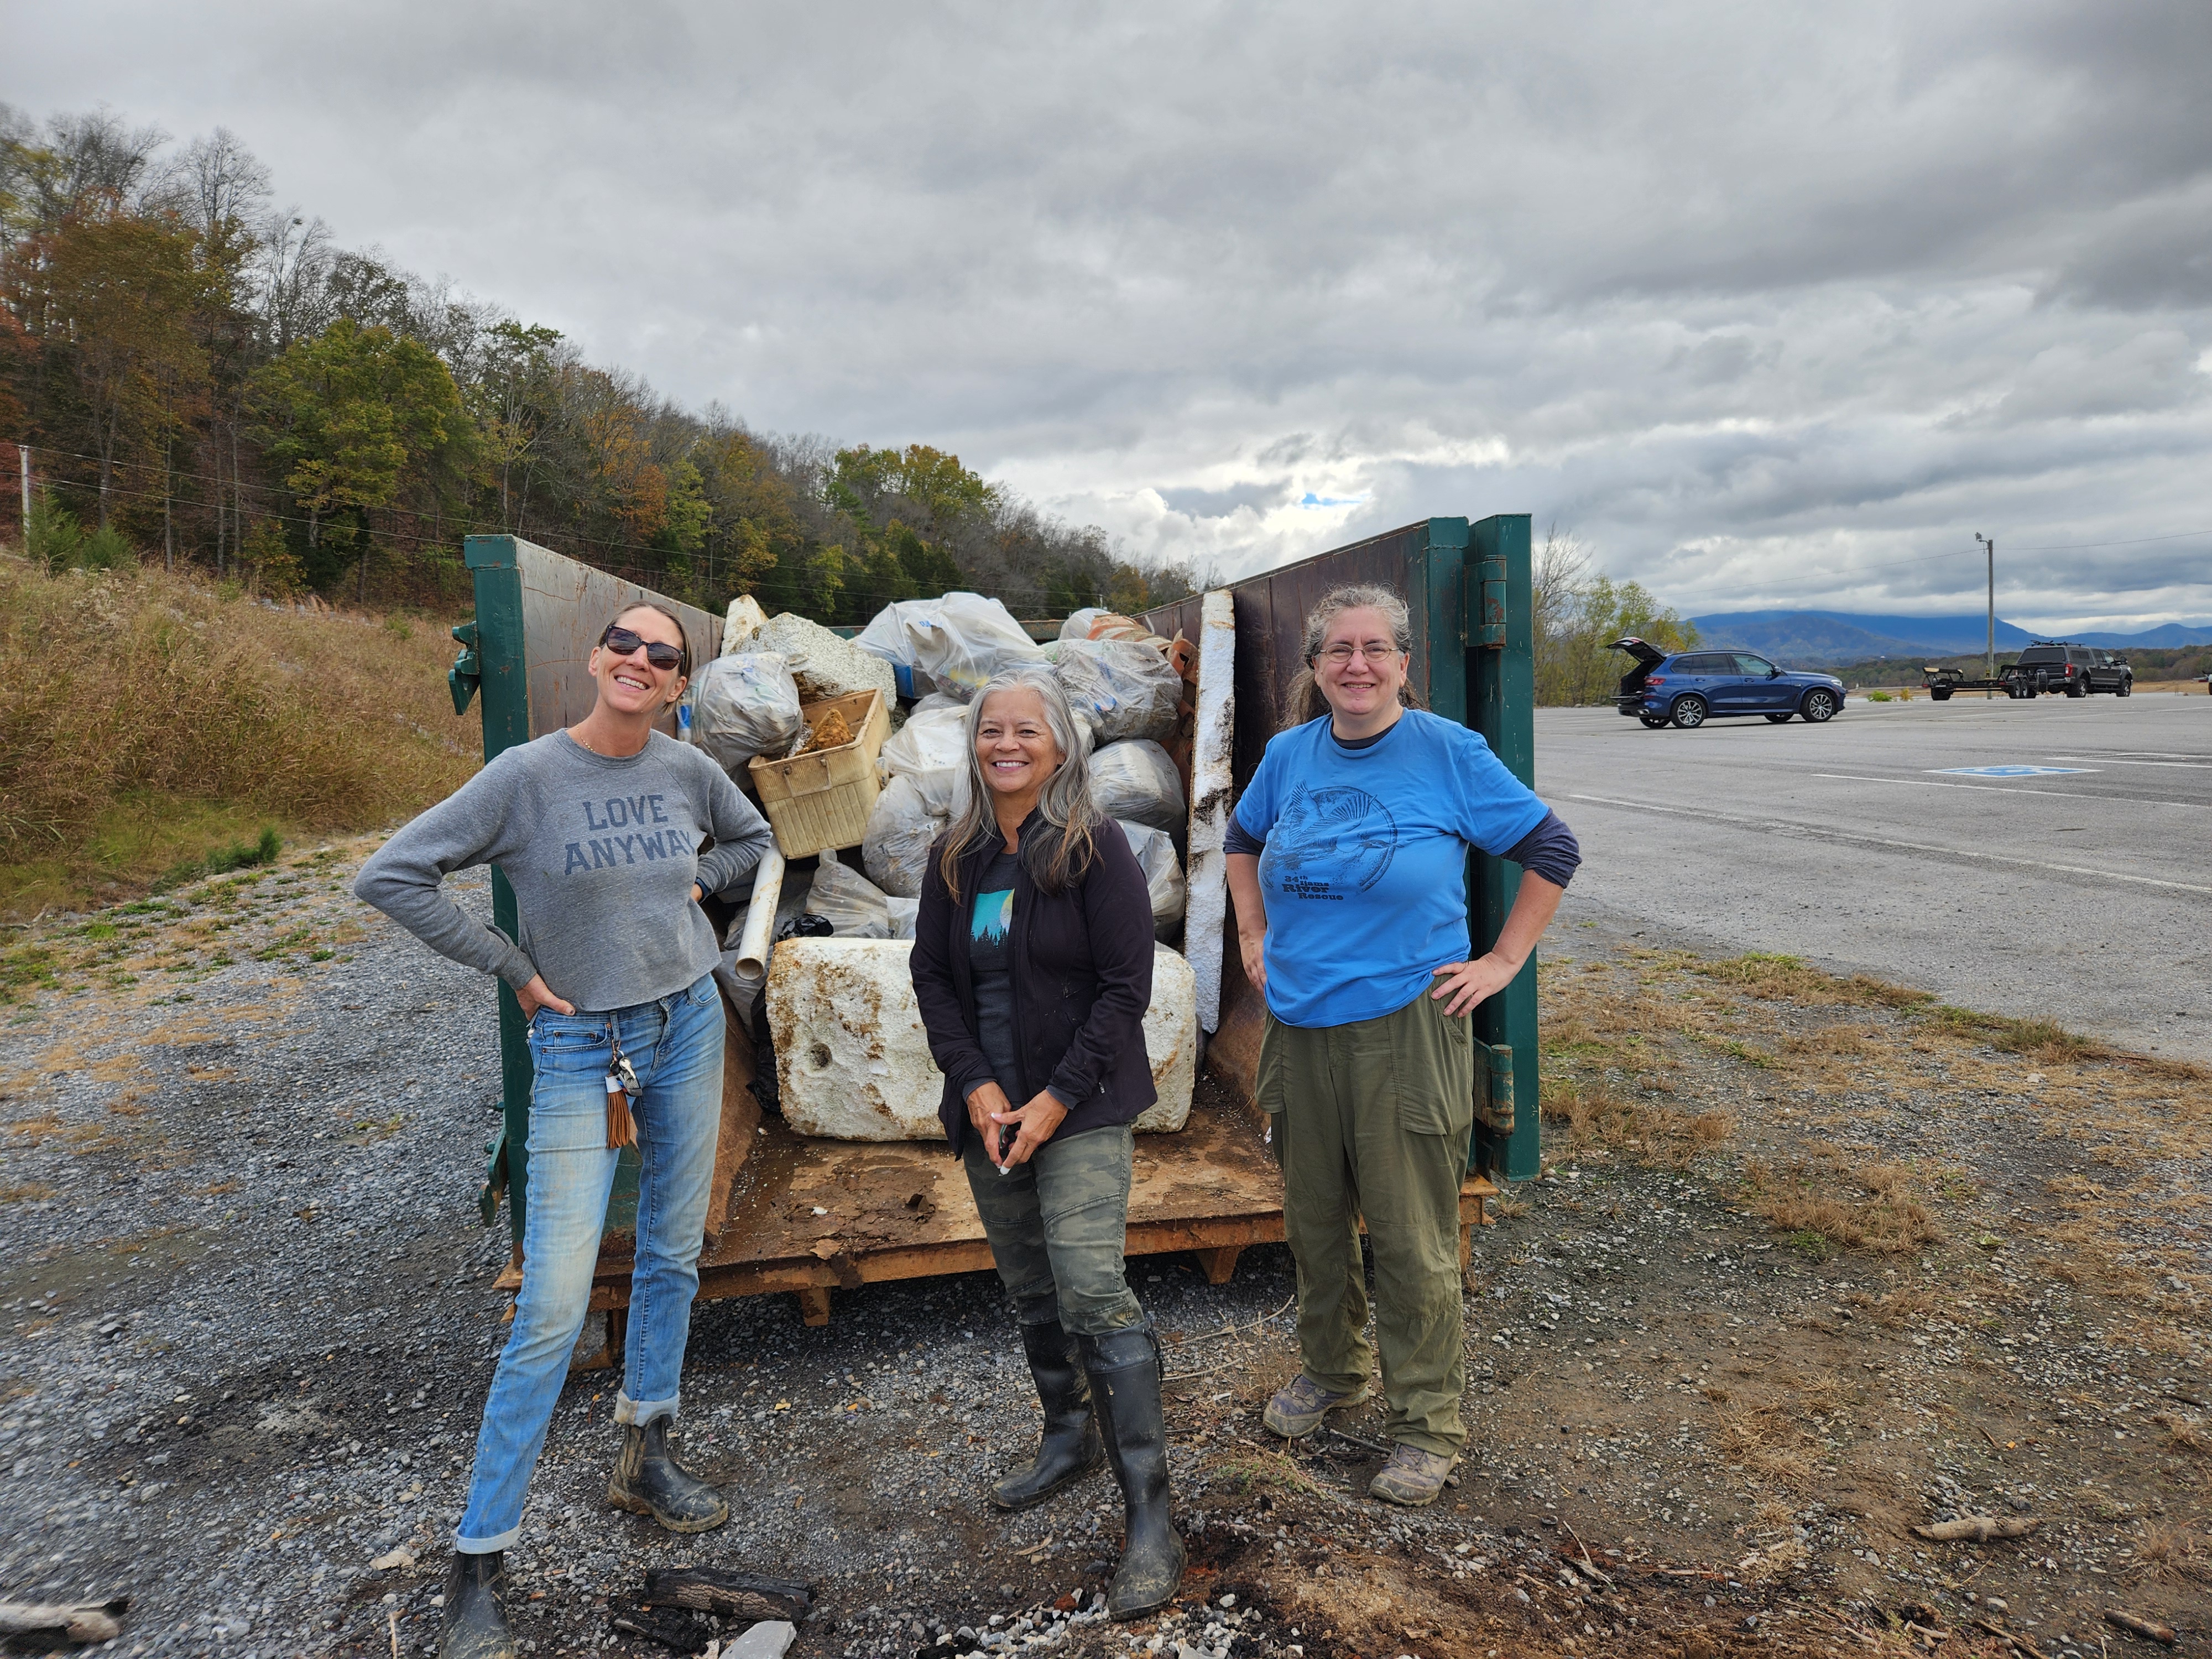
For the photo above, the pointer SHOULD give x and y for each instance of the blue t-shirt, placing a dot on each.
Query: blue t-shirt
(1365, 872)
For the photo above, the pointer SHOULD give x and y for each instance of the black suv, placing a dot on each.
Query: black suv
(2075, 670)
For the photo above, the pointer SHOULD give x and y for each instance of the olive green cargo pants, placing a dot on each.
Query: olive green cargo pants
(1056, 1226)
(1374, 1119)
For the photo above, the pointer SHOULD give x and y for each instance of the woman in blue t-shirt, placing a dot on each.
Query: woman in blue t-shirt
(1347, 860)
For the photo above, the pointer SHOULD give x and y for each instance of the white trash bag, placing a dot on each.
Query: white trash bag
(903, 911)
(746, 704)
(901, 826)
(853, 906)
(1126, 690)
(956, 642)
(1137, 780)
(1164, 878)
(933, 739)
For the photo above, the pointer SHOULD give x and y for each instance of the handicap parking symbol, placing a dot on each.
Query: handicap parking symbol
(2009, 771)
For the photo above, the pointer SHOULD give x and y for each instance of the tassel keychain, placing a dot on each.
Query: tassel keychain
(622, 1083)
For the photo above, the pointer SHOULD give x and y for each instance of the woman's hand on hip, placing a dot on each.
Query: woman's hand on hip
(1036, 1121)
(1469, 983)
(538, 994)
(983, 1100)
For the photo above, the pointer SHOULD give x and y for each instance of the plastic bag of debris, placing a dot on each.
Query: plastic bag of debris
(1163, 878)
(747, 705)
(911, 812)
(853, 906)
(1137, 780)
(1125, 690)
(954, 642)
(902, 912)
(933, 739)
(1097, 623)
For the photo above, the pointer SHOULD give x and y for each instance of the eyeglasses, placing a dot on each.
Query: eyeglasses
(1340, 654)
(621, 641)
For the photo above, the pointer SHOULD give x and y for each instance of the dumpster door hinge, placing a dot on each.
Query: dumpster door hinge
(461, 678)
(1486, 580)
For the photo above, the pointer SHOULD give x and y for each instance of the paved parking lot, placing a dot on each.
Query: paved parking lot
(2078, 891)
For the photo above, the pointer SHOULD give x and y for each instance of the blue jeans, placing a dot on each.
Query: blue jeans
(676, 1046)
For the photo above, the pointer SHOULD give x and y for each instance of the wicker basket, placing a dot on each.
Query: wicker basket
(822, 799)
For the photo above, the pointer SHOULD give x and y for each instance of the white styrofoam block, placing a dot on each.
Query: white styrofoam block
(853, 1061)
(745, 619)
(771, 1638)
(824, 665)
(1212, 752)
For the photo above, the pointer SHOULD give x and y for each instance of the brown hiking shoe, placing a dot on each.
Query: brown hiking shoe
(1298, 1407)
(1412, 1477)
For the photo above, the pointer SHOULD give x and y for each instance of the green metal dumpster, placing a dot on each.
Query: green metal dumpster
(790, 1212)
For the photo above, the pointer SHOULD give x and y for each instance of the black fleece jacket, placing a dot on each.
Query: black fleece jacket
(1083, 978)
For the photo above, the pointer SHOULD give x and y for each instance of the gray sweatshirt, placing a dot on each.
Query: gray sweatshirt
(602, 855)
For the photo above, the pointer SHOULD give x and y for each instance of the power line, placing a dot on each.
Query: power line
(880, 596)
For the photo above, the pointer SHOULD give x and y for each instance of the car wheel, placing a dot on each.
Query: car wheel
(2042, 682)
(2077, 688)
(1940, 693)
(1819, 708)
(2125, 689)
(1653, 722)
(1689, 712)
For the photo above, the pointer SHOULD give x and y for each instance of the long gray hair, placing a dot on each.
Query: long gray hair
(1304, 702)
(1059, 851)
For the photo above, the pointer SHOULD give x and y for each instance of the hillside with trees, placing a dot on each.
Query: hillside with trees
(211, 379)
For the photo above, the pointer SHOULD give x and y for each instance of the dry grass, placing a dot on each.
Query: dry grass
(2171, 1554)
(1870, 1207)
(136, 708)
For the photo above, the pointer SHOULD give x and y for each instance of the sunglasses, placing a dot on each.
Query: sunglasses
(621, 641)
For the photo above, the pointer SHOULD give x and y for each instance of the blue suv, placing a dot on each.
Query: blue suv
(1689, 687)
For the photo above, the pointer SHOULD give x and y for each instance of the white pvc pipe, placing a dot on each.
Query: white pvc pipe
(760, 920)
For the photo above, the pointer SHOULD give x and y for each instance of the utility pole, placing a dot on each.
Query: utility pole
(1992, 547)
(23, 457)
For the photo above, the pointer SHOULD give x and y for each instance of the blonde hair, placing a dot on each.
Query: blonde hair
(1303, 701)
(1059, 851)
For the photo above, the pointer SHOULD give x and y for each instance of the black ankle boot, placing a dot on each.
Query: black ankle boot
(1070, 1446)
(1125, 1385)
(475, 1624)
(649, 1481)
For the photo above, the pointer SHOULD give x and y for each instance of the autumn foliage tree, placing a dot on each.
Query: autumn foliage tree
(212, 373)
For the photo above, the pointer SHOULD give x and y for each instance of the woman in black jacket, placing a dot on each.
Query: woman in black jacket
(1033, 967)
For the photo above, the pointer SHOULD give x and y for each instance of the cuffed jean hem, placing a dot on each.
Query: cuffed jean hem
(492, 1546)
(627, 1410)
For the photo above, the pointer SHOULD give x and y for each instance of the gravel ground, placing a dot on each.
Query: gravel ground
(254, 1323)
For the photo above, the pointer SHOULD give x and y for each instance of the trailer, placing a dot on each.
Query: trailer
(1941, 685)
(791, 1213)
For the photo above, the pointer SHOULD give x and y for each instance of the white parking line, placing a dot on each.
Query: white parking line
(2115, 760)
(1998, 789)
(1783, 826)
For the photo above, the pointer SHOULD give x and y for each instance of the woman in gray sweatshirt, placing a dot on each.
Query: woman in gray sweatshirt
(609, 833)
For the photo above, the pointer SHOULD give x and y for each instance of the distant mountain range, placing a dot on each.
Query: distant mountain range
(1827, 638)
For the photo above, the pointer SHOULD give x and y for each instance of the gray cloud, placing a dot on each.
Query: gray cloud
(1763, 303)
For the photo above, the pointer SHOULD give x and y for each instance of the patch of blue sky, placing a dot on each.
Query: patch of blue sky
(1312, 500)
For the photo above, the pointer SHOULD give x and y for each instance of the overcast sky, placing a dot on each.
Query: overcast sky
(1768, 305)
